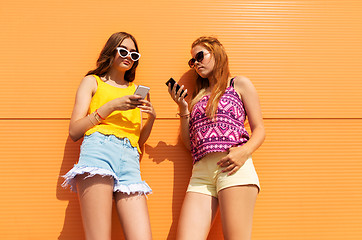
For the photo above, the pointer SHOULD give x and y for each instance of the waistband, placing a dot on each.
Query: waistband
(110, 138)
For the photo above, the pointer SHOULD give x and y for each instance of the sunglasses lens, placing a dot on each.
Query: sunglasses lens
(192, 62)
(123, 52)
(199, 56)
(135, 56)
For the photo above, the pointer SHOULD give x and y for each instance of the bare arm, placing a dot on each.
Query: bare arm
(147, 127)
(238, 155)
(184, 113)
(80, 122)
(252, 106)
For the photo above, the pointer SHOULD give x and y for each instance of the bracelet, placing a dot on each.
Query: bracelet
(183, 115)
(99, 114)
(91, 120)
(96, 117)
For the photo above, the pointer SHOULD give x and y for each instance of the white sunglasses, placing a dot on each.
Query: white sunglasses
(125, 53)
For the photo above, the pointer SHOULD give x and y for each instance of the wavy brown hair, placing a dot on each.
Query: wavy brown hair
(220, 75)
(106, 57)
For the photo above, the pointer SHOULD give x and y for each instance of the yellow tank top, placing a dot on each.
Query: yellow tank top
(122, 124)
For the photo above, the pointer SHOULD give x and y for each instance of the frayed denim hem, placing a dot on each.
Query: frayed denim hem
(141, 188)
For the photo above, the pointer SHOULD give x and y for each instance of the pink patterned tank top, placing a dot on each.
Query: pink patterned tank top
(228, 130)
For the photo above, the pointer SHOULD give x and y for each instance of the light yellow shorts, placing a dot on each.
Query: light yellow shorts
(207, 177)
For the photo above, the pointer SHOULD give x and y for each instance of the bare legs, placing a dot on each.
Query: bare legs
(236, 210)
(196, 217)
(133, 214)
(96, 196)
(197, 213)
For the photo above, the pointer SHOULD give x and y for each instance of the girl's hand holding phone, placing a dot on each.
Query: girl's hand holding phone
(178, 94)
(147, 107)
(127, 102)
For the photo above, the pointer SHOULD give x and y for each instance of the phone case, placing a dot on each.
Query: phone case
(173, 82)
(142, 91)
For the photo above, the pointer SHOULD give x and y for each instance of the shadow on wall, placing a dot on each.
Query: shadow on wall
(72, 227)
(182, 163)
(188, 79)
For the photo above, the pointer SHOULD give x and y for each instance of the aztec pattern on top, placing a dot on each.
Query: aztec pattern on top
(226, 131)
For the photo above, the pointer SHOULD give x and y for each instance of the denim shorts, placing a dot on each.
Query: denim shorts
(107, 155)
(208, 178)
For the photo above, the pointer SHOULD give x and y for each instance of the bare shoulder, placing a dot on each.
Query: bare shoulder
(89, 79)
(242, 84)
(241, 80)
(89, 82)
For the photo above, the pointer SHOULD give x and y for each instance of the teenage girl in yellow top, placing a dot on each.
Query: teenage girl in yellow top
(108, 115)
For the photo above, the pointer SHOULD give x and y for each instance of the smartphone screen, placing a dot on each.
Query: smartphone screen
(173, 82)
(142, 91)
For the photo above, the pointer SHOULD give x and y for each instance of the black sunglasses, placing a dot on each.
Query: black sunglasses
(198, 57)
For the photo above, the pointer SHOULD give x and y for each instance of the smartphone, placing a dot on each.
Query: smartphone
(173, 82)
(142, 91)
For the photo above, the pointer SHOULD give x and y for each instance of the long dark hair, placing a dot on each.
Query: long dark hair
(106, 57)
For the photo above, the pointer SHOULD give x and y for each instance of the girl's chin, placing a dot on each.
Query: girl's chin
(203, 75)
(125, 66)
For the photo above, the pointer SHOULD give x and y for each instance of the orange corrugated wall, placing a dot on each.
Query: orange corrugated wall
(303, 56)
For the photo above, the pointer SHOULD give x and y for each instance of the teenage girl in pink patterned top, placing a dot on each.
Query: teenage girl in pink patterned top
(213, 129)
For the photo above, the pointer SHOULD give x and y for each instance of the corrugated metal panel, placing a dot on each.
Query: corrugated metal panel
(310, 171)
(303, 56)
